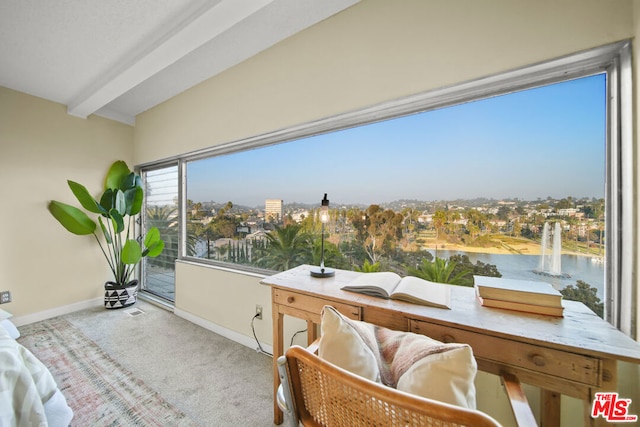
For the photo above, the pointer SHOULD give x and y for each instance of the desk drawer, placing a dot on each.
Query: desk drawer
(570, 366)
(313, 305)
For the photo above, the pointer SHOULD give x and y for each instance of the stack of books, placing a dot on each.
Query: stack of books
(520, 295)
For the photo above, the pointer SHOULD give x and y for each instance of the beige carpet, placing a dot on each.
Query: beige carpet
(100, 391)
(200, 377)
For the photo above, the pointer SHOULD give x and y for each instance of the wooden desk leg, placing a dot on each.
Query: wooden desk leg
(312, 334)
(278, 350)
(550, 411)
(609, 383)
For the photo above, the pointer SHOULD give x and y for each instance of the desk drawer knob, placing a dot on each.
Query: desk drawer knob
(448, 338)
(290, 300)
(537, 360)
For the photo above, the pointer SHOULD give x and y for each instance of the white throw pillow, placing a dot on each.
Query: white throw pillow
(410, 362)
(444, 372)
(342, 345)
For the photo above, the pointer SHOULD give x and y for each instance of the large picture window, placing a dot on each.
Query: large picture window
(520, 175)
(498, 181)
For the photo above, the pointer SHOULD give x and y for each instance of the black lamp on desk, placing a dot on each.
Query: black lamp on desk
(322, 271)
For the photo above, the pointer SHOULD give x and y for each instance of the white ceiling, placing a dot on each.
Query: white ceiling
(118, 58)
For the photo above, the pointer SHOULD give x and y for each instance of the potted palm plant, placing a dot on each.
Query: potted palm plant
(119, 203)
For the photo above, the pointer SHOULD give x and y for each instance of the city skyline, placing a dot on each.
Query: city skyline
(534, 144)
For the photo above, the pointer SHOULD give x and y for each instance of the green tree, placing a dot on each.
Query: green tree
(224, 224)
(196, 209)
(586, 294)
(441, 271)
(516, 229)
(504, 212)
(353, 252)
(367, 267)
(165, 218)
(594, 210)
(332, 256)
(287, 247)
(564, 203)
(222, 252)
(208, 234)
(463, 263)
(410, 216)
(475, 222)
(401, 260)
(377, 230)
(439, 220)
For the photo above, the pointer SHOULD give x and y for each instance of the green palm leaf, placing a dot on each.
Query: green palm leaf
(131, 252)
(121, 199)
(72, 218)
(116, 175)
(86, 200)
(440, 270)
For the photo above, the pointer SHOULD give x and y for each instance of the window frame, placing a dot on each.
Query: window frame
(613, 59)
(141, 223)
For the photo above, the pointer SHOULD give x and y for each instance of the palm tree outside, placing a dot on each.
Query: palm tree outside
(288, 247)
(441, 271)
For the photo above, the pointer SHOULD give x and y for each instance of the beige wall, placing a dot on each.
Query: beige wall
(374, 51)
(41, 146)
(232, 304)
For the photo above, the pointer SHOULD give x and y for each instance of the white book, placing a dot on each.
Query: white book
(412, 289)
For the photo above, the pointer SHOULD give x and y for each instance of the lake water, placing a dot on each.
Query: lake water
(523, 266)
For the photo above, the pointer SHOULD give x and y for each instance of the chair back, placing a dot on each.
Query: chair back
(323, 394)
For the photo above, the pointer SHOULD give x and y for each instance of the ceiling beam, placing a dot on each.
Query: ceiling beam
(190, 34)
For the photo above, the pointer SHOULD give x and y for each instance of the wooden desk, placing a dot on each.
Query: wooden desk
(575, 355)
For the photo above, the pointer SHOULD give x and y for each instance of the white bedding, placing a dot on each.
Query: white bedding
(29, 395)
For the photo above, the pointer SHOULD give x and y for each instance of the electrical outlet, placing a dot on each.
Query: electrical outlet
(5, 297)
(259, 312)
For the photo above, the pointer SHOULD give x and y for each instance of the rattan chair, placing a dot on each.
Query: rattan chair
(315, 392)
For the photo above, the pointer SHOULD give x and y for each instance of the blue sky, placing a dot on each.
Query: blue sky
(548, 141)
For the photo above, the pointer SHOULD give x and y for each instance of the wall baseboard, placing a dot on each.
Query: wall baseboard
(227, 333)
(57, 311)
(99, 302)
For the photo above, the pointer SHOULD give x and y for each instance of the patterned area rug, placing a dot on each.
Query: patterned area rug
(100, 391)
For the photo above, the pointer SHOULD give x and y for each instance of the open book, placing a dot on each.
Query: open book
(412, 289)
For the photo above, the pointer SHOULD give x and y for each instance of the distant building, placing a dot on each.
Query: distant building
(273, 210)
(425, 218)
(299, 216)
(568, 212)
